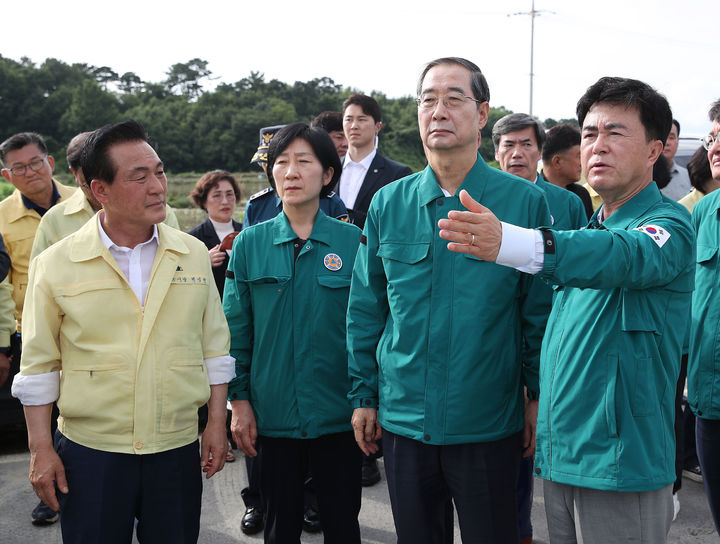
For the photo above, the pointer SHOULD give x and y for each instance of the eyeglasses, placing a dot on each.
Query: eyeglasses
(709, 140)
(451, 100)
(35, 165)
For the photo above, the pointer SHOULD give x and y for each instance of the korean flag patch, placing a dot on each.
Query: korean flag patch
(658, 234)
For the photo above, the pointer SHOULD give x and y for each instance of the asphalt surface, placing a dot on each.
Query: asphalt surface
(223, 507)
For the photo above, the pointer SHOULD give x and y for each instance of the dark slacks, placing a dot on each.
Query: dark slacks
(108, 491)
(335, 463)
(679, 430)
(525, 490)
(707, 437)
(480, 478)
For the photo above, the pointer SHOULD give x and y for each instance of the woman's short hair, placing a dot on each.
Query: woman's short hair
(321, 144)
(208, 182)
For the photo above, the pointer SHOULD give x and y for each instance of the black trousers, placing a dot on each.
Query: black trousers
(335, 463)
(707, 433)
(108, 491)
(480, 478)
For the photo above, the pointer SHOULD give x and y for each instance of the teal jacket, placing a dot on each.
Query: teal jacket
(566, 208)
(611, 353)
(287, 325)
(443, 342)
(704, 361)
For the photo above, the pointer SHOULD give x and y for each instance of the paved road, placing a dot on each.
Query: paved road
(222, 508)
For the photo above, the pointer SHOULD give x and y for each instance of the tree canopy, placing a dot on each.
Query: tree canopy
(192, 128)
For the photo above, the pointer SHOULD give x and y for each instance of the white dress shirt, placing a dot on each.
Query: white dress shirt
(352, 177)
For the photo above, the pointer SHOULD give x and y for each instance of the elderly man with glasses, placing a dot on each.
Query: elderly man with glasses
(441, 345)
(704, 359)
(29, 168)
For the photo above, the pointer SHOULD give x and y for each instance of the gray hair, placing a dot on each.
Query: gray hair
(518, 121)
(714, 112)
(478, 83)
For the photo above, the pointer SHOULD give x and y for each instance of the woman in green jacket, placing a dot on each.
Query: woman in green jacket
(285, 300)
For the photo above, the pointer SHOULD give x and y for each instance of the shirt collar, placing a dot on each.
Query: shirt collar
(30, 205)
(112, 245)
(365, 163)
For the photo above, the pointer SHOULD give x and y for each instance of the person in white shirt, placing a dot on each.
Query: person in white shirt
(365, 170)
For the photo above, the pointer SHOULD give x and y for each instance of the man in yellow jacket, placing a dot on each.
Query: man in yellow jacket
(124, 328)
(28, 166)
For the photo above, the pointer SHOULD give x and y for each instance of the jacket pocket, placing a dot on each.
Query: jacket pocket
(611, 388)
(404, 252)
(98, 392)
(334, 281)
(260, 280)
(705, 254)
(636, 313)
(185, 387)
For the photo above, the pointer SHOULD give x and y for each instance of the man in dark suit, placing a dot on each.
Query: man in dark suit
(365, 170)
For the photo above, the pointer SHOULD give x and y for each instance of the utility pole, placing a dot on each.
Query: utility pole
(532, 13)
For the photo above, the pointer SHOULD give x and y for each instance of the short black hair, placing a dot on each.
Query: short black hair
(20, 140)
(661, 172)
(367, 104)
(321, 144)
(714, 112)
(559, 139)
(95, 158)
(330, 121)
(478, 83)
(677, 126)
(654, 110)
(698, 168)
(74, 149)
(518, 121)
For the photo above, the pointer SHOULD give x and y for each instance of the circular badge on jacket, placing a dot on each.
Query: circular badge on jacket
(332, 261)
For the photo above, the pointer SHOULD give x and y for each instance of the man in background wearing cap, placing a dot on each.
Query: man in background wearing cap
(265, 204)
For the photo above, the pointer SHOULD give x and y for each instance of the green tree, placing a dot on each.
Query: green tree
(186, 77)
(90, 107)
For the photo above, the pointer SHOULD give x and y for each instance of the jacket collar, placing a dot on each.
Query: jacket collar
(474, 183)
(88, 245)
(283, 233)
(78, 203)
(632, 209)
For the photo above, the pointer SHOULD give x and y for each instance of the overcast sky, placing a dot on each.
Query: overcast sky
(382, 45)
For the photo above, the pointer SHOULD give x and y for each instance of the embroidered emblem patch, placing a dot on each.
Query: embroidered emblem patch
(332, 261)
(658, 234)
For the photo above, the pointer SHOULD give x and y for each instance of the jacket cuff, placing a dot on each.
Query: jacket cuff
(220, 369)
(36, 389)
(550, 247)
(365, 403)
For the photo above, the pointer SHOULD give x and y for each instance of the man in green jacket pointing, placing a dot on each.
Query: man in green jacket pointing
(611, 351)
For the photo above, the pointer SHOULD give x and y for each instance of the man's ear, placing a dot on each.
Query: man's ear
(51, 162)
(100, 190)
(378, 127)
